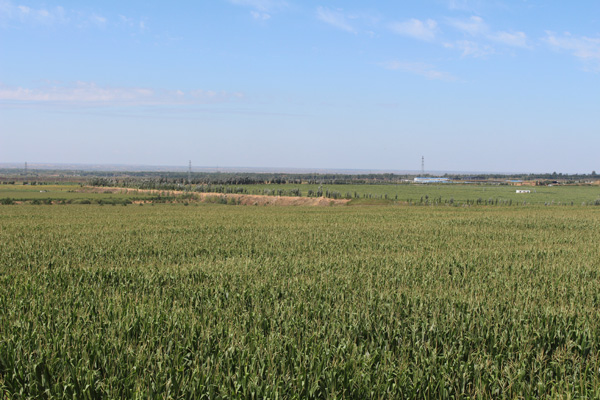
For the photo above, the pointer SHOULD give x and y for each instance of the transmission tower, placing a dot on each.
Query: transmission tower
(422, 165)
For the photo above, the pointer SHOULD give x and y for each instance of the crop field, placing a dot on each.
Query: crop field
(213, 301)
(66, 193)
(419, 194)
(461, 193)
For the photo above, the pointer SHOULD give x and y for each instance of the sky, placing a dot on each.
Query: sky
(471, 85)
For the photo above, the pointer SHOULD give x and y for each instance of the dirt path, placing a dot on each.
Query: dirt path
(244, 199)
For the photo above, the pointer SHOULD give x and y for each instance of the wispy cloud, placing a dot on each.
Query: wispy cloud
(262, 9)
(471, 49)
(98, 20)
(422, 30)
(90, 94)
(482, 37)
(134, 23)
(585, 48)
(335, 18)
(514, 39)
(426, 70)
(464, 5)
(260, 15)
(262, 5)
(12, 14)
(473, 26)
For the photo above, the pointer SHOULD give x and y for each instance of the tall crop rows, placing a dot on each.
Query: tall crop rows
(212, 301)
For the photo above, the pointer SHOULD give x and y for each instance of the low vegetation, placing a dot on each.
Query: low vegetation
(381, 194)
(212, 301)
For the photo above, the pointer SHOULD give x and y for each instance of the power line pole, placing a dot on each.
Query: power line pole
(422, 165)
(190, 173)
(25, 167)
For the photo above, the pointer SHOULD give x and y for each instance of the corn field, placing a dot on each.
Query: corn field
(218, 302)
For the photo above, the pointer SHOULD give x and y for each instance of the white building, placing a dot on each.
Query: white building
(431, 180)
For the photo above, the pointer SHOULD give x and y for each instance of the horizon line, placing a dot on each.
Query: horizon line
(117, 167)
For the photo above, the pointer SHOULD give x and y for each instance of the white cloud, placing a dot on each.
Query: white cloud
(11, 14)
(90, 94)
(582, 47)
(133, 23)
(417, 29)
(98, 20)
(262, 9)
(464, 5)
(470, 48)
(24, 14)
(474, 26)
(478, 29)
(515, 39)
(426, 70)
(261, 16)
(335, 18)
(262, 5)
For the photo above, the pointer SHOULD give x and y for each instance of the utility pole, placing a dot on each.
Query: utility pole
(423, 165)
(190, 173)
(25, 167)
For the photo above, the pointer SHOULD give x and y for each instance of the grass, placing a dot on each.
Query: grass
(210, 301)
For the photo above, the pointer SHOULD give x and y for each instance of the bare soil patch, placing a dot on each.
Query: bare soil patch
(244, 199)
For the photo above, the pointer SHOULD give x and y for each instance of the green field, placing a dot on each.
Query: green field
(66, 193)
(415, 193)
(456, 194)
(211, 301)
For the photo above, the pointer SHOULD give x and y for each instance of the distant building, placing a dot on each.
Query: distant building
(431, 180)
(523, 191)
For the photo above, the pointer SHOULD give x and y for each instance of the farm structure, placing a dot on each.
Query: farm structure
(431, 180)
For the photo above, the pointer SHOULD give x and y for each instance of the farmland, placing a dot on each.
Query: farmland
(445, 194)
(213, 301)
(457, 192)
(65, 194)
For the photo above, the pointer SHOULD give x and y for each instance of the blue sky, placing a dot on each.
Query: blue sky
(500, 86)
